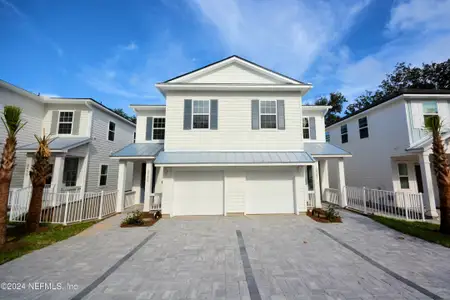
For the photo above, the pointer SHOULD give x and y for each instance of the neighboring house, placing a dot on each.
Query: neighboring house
(233, 137)
(85, 133)
(390, 146)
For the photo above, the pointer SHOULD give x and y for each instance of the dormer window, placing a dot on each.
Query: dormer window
(65, 122)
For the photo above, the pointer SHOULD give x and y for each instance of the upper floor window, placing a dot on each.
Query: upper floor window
(403, 175)
(305, 128)
(344, 134)
(111, 131)
(363, 128)
(65, 122)
(430, 110)
(327, 137)
(159, 128)
(268, 114)
(200, 114)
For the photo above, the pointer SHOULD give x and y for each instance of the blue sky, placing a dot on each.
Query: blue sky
(115, 51)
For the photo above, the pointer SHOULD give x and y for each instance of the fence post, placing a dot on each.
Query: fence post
(406, 205)
(421, 206)
(101, 205)
(364, 200)
(82, 205)
(11, 212)
(67, 208)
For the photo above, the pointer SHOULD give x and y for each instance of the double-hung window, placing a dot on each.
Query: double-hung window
(65, 122)
(103, 175)
(111, 131)
(403, 175)
(159, 128)
(200, 114)
(363, 128)
(430, 110)
(344, 134)
(268, 114)
(306, 128)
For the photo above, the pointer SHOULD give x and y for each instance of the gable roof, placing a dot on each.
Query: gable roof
(393, 97)
(235, 58)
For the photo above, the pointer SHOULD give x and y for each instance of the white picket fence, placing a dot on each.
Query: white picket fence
(129, 198)
(403, 205)
(64, 208)
(332, 196)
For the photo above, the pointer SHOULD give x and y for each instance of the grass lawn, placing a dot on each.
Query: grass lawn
(20, 243)
(424, 230)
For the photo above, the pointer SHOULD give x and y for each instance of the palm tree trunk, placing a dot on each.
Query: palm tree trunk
(445, 211)
(34, 211)
(5, 182)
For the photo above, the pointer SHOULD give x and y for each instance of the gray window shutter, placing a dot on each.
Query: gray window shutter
(214, 114)
(280, 114)
(54, 126)
(187, 121)
(255, 114)
(76, 123)
(149, 129)
(312, 128)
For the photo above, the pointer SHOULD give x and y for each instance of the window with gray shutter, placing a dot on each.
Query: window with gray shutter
(76, 123)
(187, 121)
(280, 114)
(54, 126)
(255, 114)
(214, 114)
(312, 128)
(149, 129)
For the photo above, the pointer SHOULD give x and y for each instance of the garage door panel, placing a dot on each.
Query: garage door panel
(198, 193)
(269, 192)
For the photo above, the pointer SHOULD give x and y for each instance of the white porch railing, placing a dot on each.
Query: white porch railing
(129, 198)
(332, 196)
(72, 189)
(65, 208)
(310, 199)
(155, 201)
(403, 205)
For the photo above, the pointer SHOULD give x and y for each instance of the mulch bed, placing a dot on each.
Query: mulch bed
(149, 220)
(321, 218)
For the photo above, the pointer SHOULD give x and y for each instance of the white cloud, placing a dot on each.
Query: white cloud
(420, 14)
(131, 46)
(47, 95)
(286, 35)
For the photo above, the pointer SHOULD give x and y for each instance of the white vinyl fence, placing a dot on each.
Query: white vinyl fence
(129, 198)
(332, 196)
(64, 208)
(403, 205)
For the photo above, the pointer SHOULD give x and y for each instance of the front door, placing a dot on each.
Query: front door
(418, 178)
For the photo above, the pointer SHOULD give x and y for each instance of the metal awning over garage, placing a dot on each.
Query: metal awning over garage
(210, 158)
(138, 151)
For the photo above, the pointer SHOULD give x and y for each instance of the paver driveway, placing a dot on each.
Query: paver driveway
(201, 258)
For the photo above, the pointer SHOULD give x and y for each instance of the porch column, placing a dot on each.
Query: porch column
(137, 169)
(58, 170)
(427, 182)
(82, 179)
(148, 184)
(301, 190)
(317, 198)
(121, 183)
(28, 165)
(324, 181)
(341, 183)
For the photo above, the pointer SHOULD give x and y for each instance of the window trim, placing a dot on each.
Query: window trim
(153, 127)
(200, 114)
(266, 114)
(346, 133)
(71, 123)
(429, 114)
(400, 176)
(108, 130)
(309, 129)
(364, 127)
(328, 137)
(100, 175)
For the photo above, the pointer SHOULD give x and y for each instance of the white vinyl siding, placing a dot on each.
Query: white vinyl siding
(141, 124)
(234, 123)
(84, 129)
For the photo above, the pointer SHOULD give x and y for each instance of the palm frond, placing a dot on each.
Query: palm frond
(434, 124)
(11, 118)
(43, 145)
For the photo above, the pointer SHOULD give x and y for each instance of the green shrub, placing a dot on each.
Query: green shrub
(135, 218)
(331, 214)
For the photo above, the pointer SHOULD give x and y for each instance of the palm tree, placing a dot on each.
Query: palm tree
(442, 170)
(11, 118)
(39, 173)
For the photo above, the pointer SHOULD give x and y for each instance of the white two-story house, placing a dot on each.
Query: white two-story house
(391, 147)
(232, 138)
(85, 133)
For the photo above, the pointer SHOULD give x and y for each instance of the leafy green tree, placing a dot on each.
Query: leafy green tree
(123, 114)
(336, 101)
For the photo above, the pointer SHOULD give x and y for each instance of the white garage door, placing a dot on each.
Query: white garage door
(269, 192)
(198, 193)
